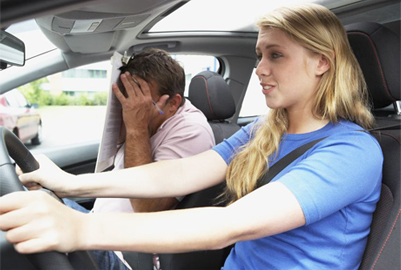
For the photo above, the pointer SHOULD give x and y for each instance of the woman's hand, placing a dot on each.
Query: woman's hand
(36, 222)
(48, 176)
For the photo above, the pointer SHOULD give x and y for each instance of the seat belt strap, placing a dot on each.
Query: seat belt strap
(290, 157)
(390, 127)
(277, 167)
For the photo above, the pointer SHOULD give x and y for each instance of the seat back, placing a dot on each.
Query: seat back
(210, 93)
(378, 52)
(383, 248)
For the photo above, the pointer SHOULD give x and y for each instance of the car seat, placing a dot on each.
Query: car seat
(378, 51)
(210, 93)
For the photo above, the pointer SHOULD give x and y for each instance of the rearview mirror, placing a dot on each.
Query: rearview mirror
(12, 50)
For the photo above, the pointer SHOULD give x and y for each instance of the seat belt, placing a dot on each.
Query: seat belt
(290, 157)
(277, 167)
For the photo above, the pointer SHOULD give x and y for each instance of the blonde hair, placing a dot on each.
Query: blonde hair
(341, 92)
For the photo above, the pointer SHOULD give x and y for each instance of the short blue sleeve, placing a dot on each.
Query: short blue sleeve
(336, 173)
(229, 147)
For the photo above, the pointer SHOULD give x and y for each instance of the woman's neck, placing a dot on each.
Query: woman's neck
(304, 123)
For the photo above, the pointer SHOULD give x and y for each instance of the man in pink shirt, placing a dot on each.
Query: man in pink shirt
(158, 124)
(184, 134)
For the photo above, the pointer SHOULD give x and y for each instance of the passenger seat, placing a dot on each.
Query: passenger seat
(209, 92)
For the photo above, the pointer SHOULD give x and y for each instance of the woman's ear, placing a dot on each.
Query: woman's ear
(323, 65)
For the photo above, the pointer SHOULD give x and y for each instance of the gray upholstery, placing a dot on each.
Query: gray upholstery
(210, 93)
(378, 52)
(377, 49)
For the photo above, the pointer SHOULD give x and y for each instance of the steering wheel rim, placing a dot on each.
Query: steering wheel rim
(11, 146)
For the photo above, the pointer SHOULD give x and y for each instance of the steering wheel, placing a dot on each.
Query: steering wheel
(11, 146)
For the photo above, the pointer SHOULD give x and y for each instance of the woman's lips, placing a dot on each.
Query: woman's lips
(267, 88)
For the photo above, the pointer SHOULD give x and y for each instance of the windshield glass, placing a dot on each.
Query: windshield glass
(209, 15)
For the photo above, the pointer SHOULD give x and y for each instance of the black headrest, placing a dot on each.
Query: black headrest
(209, 92)
(377, 49)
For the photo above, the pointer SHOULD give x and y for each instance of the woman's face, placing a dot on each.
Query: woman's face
(286, 70)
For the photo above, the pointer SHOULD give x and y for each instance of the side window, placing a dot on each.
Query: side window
(254, 103)
(11, 100)
(193, 64)
(72, 104)
(20, 99)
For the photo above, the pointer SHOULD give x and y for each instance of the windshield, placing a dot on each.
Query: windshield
(191, 16)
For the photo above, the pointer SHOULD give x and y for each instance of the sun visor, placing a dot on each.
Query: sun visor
(65, 26)
(94, 43)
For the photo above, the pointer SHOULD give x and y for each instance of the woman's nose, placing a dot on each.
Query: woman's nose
(263, 68)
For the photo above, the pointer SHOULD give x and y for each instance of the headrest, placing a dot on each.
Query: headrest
(209, 92)
(377, 49)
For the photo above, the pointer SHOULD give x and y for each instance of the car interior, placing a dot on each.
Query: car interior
(88, 31)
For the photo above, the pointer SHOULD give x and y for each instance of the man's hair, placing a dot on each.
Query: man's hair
(157, 66)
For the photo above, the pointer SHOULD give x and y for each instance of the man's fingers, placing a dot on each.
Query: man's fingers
(143, 85)
(162, 101)
(131, 87)
(119, 95)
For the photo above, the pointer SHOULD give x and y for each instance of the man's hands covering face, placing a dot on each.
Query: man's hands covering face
(138, 107)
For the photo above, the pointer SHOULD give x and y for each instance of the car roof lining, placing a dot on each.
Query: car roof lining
(131, 20)
(79, 49)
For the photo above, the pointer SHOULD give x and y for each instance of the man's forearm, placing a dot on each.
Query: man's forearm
(137, 148)
(138, 152)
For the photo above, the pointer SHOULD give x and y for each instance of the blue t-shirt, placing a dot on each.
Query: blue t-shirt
(337, 184)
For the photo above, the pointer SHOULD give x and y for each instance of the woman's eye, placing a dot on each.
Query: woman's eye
(275, 55)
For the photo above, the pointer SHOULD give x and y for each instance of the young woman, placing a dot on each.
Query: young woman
(314, 215)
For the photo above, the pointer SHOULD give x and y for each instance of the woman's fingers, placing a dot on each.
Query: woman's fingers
(29, 179)
(18, 170)
(33, 246)
(13, 219)
(36, 222)
(10, 202)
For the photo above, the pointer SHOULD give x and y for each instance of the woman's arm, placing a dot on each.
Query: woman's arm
(171, 178)
(36, 222)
